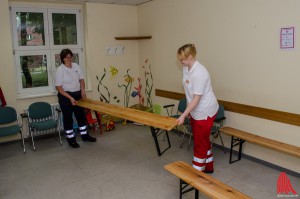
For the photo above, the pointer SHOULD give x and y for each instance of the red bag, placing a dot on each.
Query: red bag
(2, 99)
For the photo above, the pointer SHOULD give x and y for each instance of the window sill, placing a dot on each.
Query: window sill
(37, 95)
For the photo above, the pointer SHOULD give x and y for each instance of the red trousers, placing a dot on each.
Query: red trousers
(203, 157)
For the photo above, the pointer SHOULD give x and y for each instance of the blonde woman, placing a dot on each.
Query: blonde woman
(202, 106)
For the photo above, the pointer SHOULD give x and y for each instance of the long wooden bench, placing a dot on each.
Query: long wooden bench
(158, 123)
(199, 181)
(238, 137)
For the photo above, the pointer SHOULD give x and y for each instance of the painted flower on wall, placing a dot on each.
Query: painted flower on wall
(129, 80)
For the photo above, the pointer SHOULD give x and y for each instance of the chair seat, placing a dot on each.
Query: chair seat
(10, 130)
(44, 125)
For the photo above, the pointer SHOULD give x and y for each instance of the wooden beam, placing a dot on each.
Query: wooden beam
(169, 94)
(269, 114)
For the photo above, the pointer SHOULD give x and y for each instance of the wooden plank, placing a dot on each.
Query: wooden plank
(274, 115)
(169, 94)
(149, 119)
(208, 185)
(266, 142)
(269, 114)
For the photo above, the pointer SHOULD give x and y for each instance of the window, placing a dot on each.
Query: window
(39, 34)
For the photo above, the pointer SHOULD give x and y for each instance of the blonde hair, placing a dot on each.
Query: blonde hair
(186, 50)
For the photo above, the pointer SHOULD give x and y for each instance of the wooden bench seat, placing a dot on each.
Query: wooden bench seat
(158, 123)
(200, 181)
(238, 137)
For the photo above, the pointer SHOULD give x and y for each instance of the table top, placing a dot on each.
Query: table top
(146, 118)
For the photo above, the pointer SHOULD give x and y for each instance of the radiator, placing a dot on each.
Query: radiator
(56, 106)
(57, 114)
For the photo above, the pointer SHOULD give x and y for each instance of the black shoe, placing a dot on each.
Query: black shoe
(88, 138)
(208, 171)
(74, 145)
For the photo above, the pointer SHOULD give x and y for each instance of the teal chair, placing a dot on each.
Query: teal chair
(42, 120)
(10, 124)
(218, 123)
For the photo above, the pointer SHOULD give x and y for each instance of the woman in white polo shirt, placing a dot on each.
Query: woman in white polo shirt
(69, 82)
(202, 106)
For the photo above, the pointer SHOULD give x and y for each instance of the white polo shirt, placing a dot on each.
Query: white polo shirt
(68, 78)
(197, 81)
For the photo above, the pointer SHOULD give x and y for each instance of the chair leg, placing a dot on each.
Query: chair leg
(23, 143)
(59, 136)
(32, 139)
(222, 142)
(213, 139)
(181, 145)
(190, 139)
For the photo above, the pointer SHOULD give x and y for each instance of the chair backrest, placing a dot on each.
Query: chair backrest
(39, 110)
(7, 115)
(220, 114)
(182, 105)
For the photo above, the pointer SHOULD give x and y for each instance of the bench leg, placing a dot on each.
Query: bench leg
(182, 190)
(196, 194)
(155, 133)
(235, 142)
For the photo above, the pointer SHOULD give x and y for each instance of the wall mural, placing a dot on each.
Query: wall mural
(103, 90)
(138, 93)
(127, 87)
(149, 82)
(128, 80)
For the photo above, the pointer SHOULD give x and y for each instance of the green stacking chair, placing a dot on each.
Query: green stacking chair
(180, 109)
(42, 120)
(10, 123)
(218, 123)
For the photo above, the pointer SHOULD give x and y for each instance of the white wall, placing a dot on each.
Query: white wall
(238, 42)
(104, 22)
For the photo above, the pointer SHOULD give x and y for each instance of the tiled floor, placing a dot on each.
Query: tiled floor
(122, 164)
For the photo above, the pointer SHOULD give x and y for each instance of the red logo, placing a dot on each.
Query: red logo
(284, 186)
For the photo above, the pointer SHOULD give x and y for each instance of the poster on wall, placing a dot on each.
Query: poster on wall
(287, 39)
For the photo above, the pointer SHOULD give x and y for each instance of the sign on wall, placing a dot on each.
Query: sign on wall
(287, 39)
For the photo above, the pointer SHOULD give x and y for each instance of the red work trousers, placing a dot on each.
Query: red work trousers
(203, 157)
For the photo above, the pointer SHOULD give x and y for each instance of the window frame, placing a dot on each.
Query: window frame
(49, 49)
(78, 27)
(35, 90)
(14, 10)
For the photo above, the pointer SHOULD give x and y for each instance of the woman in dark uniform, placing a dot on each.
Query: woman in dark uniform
(69, 82)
